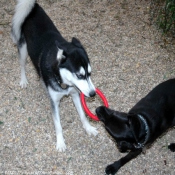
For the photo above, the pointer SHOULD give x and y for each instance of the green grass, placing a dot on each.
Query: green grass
(163, 15)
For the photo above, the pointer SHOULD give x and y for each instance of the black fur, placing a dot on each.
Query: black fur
(43, 40)
(130, 131)
(63, 66)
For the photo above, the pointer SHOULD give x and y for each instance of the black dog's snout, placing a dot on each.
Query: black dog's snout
(99, 112)
(92, 93)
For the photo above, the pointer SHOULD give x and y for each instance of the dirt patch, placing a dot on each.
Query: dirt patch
(128, 59)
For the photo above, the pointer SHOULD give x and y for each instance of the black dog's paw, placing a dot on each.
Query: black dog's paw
(172, 147)
(110, 170)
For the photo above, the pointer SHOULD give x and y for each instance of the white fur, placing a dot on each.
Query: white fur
(23, 8)
(83, 85)
(60, 54)
(89, 69)
(82, 71)
(23, 56)
(76, 99)
(86, 87)
(55, 98)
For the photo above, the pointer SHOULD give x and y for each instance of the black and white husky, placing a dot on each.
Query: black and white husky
(63, 66)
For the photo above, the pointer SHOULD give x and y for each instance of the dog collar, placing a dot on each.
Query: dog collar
(141, 145)
(62, 85)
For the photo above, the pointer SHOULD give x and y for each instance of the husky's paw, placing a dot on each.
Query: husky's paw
(23, 83)
(60, 146)
(91, 130)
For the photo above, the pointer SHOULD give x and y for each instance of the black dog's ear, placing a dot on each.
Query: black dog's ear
(76, 42)
(136, 126)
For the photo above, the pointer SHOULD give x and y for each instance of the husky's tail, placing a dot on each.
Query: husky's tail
(22, 10)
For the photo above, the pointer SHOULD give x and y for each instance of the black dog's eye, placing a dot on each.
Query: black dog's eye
(79, 76)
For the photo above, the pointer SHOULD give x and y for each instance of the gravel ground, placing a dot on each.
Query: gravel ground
(128, 59)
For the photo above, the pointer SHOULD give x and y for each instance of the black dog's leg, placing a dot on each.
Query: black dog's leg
(172, 147)
(113, 168)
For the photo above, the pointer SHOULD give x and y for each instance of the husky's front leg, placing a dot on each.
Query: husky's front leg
(55, 100)
(76, 99)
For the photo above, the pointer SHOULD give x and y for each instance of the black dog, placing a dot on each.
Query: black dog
(142, 125)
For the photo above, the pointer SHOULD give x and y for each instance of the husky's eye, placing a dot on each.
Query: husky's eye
(79, 76)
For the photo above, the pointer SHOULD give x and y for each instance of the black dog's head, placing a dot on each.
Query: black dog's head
(127, 129)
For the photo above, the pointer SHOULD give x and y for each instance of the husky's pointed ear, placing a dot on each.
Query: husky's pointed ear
(61, 54)
(60, 59)
(76, 42)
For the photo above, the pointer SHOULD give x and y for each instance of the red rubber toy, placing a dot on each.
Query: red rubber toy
(86, 109)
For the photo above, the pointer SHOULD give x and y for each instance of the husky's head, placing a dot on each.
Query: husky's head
(75, 69)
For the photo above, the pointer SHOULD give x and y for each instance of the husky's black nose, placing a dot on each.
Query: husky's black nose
(92, 93)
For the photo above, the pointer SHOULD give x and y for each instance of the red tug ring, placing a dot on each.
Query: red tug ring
(86, 109)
